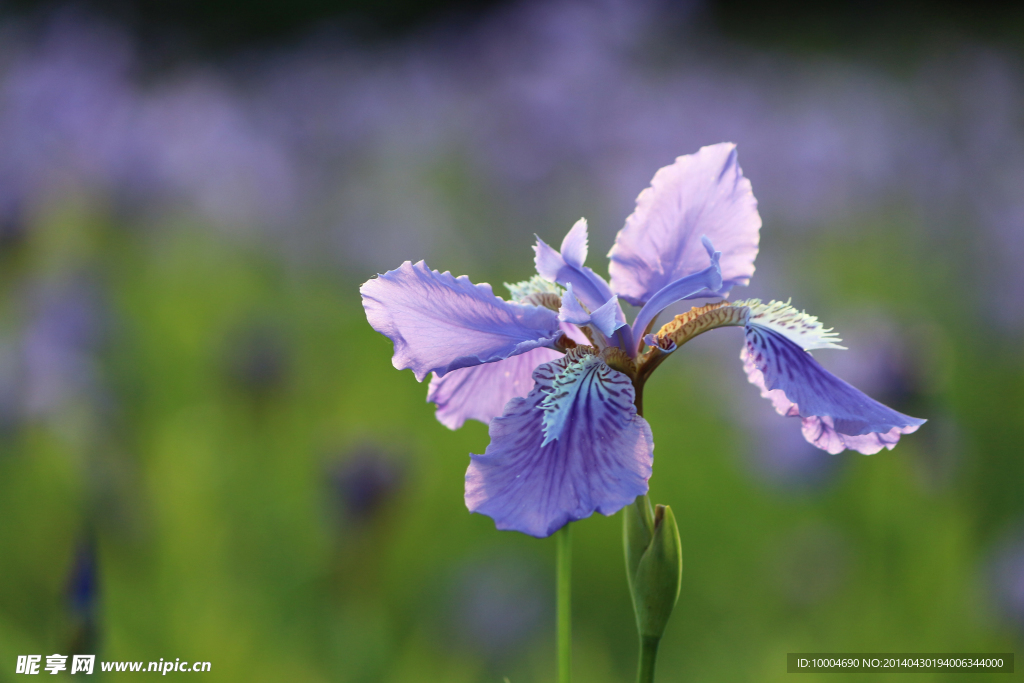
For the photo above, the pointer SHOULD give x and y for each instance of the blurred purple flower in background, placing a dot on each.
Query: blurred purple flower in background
(365, 481)
(1007, 581)
(332, 151)
(257, 359)
(67, 110)
(577, 442)
(199, 144)
(67, 322)
(83, 597)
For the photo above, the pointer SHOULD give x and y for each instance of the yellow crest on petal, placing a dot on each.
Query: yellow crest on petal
(686, 326)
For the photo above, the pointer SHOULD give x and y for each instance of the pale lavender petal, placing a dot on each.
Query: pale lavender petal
(600, 458)
(700, 194)
(706, 282)
(834, 414)
(440, 323)
(608, 319)
(481, 392)
(574, 245)
(611, 322)
(567, 268)
(571, 310)
(821, 432)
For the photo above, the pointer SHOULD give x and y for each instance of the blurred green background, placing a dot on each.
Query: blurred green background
(205, 452)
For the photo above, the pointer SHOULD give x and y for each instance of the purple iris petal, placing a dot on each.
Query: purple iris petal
(571, 310)
(599, 459)
(575, 245)
(567, 267)
(707, 281)
(480, 392)
(609, 318)
(835, 414)
(440, 323)
(700, 194)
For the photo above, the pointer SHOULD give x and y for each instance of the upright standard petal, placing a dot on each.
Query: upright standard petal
(574, 445)
(566, 267)
(440, 323)
(835, 415)
(700, 194)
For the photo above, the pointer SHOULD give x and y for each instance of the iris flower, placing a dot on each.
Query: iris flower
(558, 372)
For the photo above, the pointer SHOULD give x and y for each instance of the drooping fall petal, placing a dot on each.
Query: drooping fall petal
(573, 445)
(834, 414)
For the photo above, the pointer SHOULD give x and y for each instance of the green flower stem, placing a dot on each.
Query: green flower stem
(648, 653)
(654, 565)
(563, 563)
(648, 644)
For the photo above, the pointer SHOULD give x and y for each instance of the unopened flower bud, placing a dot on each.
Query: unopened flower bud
(654, 564)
